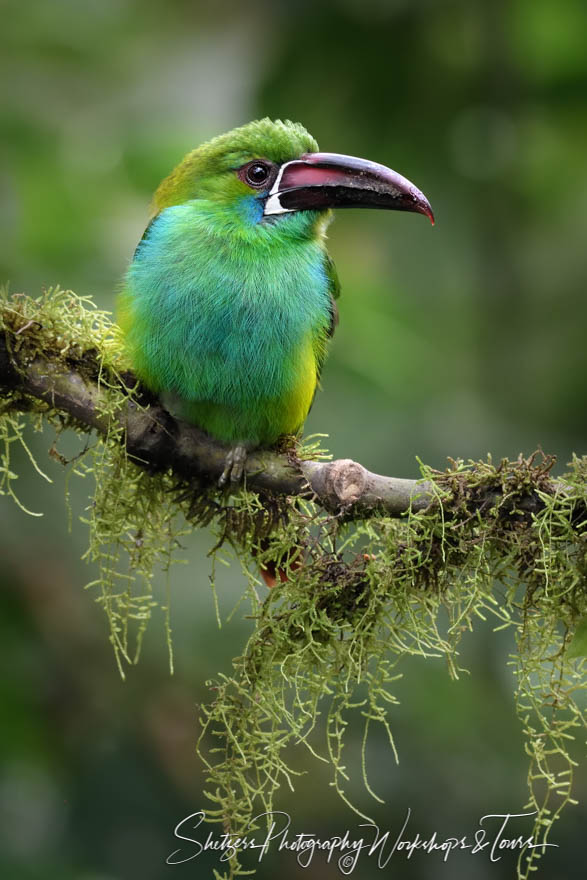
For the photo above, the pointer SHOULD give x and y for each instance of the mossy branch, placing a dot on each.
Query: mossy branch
(377, 568)
(155, 439)
(73, 381)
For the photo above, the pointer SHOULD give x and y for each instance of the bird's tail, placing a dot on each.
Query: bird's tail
(277, 571)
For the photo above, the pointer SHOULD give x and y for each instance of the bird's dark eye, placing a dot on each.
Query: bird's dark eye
(256, 173)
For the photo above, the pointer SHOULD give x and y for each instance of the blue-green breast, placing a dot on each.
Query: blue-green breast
(231, 317)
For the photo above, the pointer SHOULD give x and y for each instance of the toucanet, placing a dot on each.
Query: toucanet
(229, 304)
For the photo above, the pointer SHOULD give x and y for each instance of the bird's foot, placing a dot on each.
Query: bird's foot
(234, 466)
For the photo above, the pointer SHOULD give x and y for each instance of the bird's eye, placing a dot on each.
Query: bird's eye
(256, 173)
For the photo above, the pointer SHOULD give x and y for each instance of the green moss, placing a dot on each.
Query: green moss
(133, 523)
(328, 641)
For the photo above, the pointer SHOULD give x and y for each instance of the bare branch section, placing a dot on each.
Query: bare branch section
(156, 440)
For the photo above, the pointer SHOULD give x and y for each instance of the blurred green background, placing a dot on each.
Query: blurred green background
(458, 340)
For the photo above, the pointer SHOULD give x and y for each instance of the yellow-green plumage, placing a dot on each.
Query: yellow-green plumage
(228, 304)
(228, 312)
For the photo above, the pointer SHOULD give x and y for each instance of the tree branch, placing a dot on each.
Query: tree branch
(157, 441)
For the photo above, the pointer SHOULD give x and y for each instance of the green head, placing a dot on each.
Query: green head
(268, 169)
(213, 170)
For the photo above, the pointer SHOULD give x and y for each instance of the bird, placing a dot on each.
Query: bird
(229, 303)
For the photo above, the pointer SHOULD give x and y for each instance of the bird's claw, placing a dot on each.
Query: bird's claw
(234, 466)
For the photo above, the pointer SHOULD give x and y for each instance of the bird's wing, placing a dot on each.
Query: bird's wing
(334, 291)
(332, 276)
(143, 237)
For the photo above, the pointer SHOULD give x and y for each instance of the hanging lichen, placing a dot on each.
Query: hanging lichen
(366, 594)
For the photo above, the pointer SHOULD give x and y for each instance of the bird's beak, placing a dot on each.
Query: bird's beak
(317, 181)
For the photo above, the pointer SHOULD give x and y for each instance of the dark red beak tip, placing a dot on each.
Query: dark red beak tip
(423, 207)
